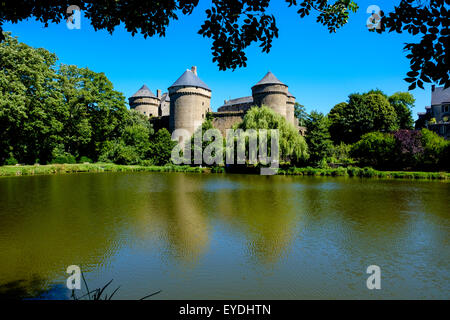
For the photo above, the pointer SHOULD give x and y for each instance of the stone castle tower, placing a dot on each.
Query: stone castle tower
(290, 116)
(271, 92)
(145, 102)
(190, 100)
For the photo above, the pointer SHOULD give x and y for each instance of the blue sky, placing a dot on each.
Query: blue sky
(321, 69)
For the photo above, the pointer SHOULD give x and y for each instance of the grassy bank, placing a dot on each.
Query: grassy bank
(308, 171)
(364, 173)
(92, 167)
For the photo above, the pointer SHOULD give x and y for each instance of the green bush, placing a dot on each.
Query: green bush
(434, 147)
(84, 159)
(11, 161)
(375, 149)
(118, 152)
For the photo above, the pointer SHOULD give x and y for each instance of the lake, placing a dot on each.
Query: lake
(216, 236)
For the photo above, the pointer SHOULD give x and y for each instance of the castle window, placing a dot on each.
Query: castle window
(445, 108)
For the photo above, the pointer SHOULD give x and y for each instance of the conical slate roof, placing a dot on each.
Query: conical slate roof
(143, 92)
(269, 78)
(290, 94)
(189, 79)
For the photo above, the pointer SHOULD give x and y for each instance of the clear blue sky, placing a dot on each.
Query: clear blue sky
(321, 69)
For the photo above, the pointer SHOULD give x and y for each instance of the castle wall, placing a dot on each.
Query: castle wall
(272, 95)
(165, 108)
(188, 107)
(226, 120)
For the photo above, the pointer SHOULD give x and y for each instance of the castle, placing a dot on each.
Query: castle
(437, 116)
(188, 101)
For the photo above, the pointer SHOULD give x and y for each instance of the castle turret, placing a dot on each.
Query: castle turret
(271, 92)
(190, 100)
(290, 117)
(145, 102)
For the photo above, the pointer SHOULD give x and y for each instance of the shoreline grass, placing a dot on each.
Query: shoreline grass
(51, 169)
(26, 170)
(366, 172)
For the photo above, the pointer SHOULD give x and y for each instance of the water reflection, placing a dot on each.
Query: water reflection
(267, 237)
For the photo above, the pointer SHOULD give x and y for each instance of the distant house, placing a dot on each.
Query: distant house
(437, 116)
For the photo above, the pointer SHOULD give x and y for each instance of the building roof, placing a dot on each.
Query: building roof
(189, 79)
(440, 95)
(165, 97)
(269, 78)
(143, 92)
(242, 100)
(290, 94)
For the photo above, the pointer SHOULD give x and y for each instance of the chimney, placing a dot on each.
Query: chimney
(194, 69)
(158, 93)
(433, 87)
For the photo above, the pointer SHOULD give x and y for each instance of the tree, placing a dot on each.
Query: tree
(434, 147)
(234, 25)
(429, 59)
(362, 113)
(318, 137)
(94, 111)
(292, 145)
(375, 149)
(300, 113)
(408, 148)
(161, 147)
(403, 102)
(48, 113)
(31, 106)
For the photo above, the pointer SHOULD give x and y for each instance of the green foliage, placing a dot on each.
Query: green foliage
(161, 147)
(366, 172)
(403, 102)
(43, 108)
(362, 114)
(11, 161)
(292, 145)
(434, 148)
(375, 149)
(84, 159)
(30, 102)
(318, 137)
(340, 154)
(300, 113)
(60, 156)
(118, 152)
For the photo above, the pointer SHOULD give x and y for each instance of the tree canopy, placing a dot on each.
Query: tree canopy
(234, 25)
(66, 114)
(317, 136)
(292, 145)
(362, 113)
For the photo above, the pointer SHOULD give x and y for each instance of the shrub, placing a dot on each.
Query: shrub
(117, 152)
(409, 148)
(374, 149)
(84, 159)
(11, 161)
(161, 147)
(434, 147)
